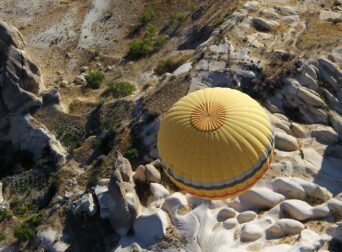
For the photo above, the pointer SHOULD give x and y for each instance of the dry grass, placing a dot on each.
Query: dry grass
(320, 34)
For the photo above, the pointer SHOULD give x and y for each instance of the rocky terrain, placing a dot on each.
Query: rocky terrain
(84, 85)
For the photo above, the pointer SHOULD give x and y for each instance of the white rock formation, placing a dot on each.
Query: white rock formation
(285, 142)
(150, 226)
(251, 232)
(284, 227)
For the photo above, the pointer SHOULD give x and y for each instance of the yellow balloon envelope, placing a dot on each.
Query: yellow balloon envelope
(215, 143)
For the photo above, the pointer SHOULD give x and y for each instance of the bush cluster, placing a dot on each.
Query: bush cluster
(94, 79)
(121, 89)
(132, 153)
(179, 16)
(150, 42)
(5, 214)
(27, 230)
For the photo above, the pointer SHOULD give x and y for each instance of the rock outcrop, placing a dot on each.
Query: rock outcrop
(20, 88)
(124, 204)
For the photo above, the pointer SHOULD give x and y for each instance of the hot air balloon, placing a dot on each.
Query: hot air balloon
(215, 143)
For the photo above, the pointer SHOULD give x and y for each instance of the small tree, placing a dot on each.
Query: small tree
(132, 153)
(147, 16)
(94, 79)
(5, 214)
(24, 232)
(121, 88)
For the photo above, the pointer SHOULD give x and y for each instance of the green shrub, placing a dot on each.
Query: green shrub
(159, 42)
(2, 237)
(21, 210)
(96, 143)
(132, 153)
(121, 88)
(5, 214)
(70, 140)
(150, 30)
(35, 220)
(27, 230)
(145, 46)
(92, 181)
(24, 232)
(147, 16)
(94, 79)
(140, 47)
(18, 207)
(320, 83)
(97, 53)
(179, 16)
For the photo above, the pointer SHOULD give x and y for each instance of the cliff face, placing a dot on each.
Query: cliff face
(20, 87)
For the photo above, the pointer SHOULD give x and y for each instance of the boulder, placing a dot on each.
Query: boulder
(47, 237)
(310, 97)
(85, 204)
(289, 188)
(280, 123)
(124, 204)
(225, 213)
(147, 174)
(299, 131)
(103, 199)
(152, 175)
(185, 68)
(263, 25)
(285, 142)
(269, 13)
(246, 216)
(251, 232)
(174, 202)
(336, 231)
(260, 198)
(306, 80)
(324, 134)
(151, 226)
(284, 227)
(158, 193)
(51, 96)
(28, 134)
(300, 210)
(312, 115)
(335, 207)
(312, 190)
(336, 121)
(230, 223)
(80, 80)
(59, 246)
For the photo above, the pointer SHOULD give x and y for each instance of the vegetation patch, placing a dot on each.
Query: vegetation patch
(2, 237)
(121, 89)
(132, 153)
(179, 16)
(23, 232)
(27, 230)
(94, 79)
(149, 41)
(5, 214)
(70, 140)
(170, 64)
(96, 143)
(92, 181)
(147, 16)
(145, 46)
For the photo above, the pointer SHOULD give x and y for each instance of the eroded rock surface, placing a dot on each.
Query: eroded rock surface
(20, 88)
